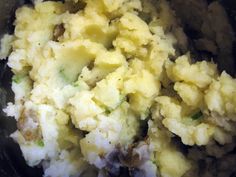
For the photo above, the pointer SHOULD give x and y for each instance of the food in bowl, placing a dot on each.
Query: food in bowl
(101, 89)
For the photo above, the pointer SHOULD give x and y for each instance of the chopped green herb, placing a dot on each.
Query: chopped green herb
(17, 78)
(63, 75)
(123, 99)
(40, 143)
(197, 115)
(76, 84)
(108, 111)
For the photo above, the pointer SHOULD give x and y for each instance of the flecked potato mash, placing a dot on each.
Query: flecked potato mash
(100, 90)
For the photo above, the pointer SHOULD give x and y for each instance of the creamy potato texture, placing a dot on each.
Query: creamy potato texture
(88, 74)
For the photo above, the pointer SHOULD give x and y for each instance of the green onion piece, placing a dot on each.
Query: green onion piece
(197, 115)
(76, 84)
(17, 78)
(108, 111)
(63, 75)
(40, 143)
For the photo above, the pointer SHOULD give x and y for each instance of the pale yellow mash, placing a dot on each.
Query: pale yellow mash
(88, 73)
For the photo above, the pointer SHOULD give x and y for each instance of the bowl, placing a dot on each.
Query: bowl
(12, 163)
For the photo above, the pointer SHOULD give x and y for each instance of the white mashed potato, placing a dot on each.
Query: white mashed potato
(87, 74)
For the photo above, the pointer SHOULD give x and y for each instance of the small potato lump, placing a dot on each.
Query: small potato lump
(100, 86)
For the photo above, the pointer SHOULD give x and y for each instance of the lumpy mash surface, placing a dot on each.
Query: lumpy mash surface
(90, 75)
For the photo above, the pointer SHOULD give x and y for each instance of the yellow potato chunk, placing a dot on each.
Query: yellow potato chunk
(107, 91)
(143, 83)
(110, 59)
(173, 163)
(84, 111)
(221, 95)
(190, 94)
(199, 74)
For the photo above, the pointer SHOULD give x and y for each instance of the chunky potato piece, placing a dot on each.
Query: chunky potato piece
(199, 74)
(220, 97)
(190, 94)
(108, 91)
(84, 110)
(189, 132)
(173, 163)
(143, 83)
(110, 59)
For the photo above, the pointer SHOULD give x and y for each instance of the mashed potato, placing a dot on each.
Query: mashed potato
(88, 75)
